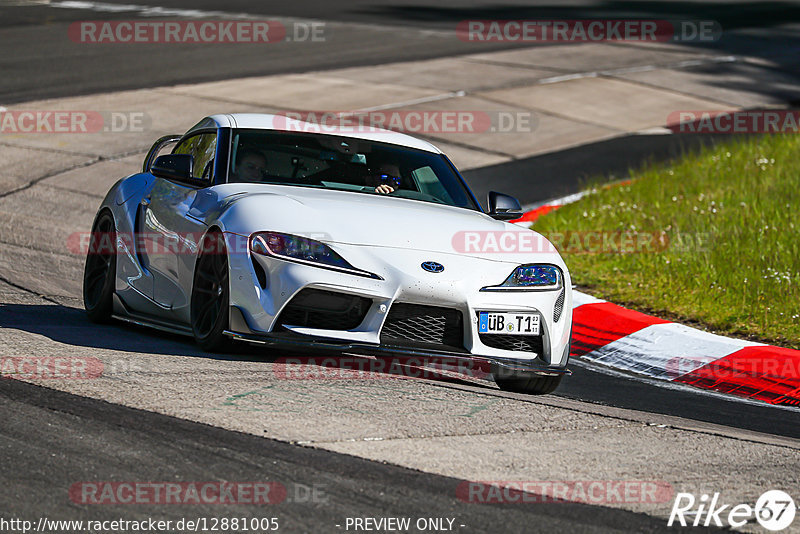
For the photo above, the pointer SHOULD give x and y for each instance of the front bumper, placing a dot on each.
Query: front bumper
(256, 308)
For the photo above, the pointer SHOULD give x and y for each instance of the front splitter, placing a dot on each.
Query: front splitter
(296, 342)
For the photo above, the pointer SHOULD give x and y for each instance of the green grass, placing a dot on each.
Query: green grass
(732, 260)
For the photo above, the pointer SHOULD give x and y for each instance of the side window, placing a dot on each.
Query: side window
(203, 147)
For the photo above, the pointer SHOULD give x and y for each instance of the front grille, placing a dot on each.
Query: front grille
(412, 324)
(316, 308)
(513, 342)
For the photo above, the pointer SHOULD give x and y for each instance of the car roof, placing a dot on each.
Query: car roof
(268, 121)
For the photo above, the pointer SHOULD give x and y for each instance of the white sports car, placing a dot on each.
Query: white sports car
(364, 242)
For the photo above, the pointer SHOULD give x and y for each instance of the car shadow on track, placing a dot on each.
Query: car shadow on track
(67, 325)
(70, 326)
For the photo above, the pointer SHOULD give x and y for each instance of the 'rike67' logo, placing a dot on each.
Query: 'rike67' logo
(774, 510)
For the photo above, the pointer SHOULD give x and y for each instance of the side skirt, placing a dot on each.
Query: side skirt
(131, 317)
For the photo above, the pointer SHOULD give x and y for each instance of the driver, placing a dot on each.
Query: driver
(389, 177)
(251, 166)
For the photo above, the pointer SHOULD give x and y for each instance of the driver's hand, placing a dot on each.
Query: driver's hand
(384, 189)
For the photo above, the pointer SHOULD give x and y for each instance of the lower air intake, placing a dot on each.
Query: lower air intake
(329, 310)
(414, 324)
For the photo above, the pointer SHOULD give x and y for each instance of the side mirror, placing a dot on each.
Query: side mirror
(174, 167)
(156, 148)
(503, 207)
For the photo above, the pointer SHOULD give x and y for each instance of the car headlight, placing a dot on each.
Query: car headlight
(302, 250)
(533, 277)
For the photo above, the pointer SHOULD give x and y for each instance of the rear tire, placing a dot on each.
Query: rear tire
(100, 270)
(211, 294)
(526, 382)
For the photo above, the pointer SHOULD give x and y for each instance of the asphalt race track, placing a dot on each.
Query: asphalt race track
(106, 441)
(168, 412)
(364, 33)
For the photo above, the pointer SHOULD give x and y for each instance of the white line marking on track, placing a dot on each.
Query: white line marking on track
(656, 130)
(639, 68)
(157, 11)
(147, 11)
(422, 100)
(568, 77)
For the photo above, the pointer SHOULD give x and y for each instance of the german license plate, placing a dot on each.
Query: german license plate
(526, 324)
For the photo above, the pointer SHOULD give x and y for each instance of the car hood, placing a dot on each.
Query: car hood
(379, 221)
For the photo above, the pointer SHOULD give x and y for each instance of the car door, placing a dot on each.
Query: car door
(169, 233)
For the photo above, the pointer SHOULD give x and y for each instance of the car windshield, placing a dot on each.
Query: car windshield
(346, 164)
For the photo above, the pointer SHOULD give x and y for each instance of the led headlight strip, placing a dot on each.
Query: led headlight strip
(531, 277)
(300, 249)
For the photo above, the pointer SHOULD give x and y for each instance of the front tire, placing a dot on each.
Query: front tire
(100, 270)
(211, 294)
(526, 382)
